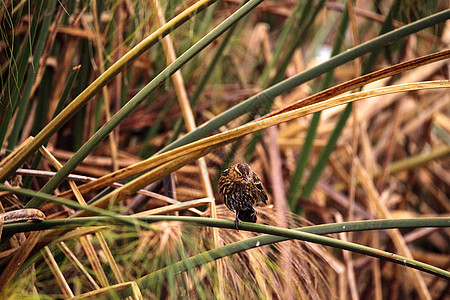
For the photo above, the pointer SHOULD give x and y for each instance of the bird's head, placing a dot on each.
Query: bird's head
(243, 172)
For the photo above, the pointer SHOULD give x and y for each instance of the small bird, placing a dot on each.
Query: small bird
(241, 188)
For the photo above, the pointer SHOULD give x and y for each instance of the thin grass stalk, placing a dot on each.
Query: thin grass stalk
(78, 157)
(175, 207)
(25, 94)
(80, 128)
(280, 203)
(350, 272)
(354, 143)
(118, 43)
(106, 98)
(102, 80)
(126, 290)
(54, 268)
(417, 161)
(385, 27)
(209, 70)
(206, 21)
(396, 122)
(208, 256)
(146, 150)
(48, 45)
(102, 218)
(17, 71)
(77, 264)
(94, 260)
(272, 235)
(39, 110)
(16, 151)
(74, 205)
(374, 242)
(192, 275)
(352, 189)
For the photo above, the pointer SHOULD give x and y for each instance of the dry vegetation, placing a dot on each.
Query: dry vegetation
(389, 160)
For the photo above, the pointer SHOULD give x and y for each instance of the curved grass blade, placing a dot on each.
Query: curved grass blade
(271, 235)
(72, 204)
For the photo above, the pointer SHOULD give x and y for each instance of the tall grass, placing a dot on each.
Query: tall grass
(90, 89)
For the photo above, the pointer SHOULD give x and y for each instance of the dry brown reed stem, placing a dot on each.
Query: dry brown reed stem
(280, 203)
(61, 74)
(390, 146)
(78, 178)
(383, 212)
(175, 207)
(54, 268)
(442, 200)
(96, 160)
(127, 290)
(105, 91)
(189, 120)
(352, 184)
(78, 265)
(186, 110)
(118, 53)
(84, 240)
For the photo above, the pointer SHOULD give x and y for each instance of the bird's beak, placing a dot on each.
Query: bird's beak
(246, 178)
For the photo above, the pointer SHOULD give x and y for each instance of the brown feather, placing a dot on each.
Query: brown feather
(241, 188)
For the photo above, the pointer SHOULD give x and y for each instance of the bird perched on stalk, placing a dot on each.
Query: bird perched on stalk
(241, 188)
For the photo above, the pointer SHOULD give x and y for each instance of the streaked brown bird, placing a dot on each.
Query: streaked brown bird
(241, 188)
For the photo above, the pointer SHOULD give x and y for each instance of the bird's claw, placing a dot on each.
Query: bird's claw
(237, 222)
